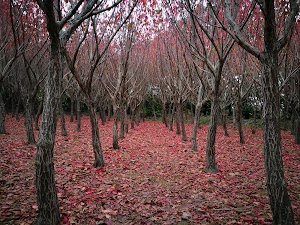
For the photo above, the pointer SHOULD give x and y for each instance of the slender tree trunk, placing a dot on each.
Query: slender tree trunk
(138, 116)
(195, 125)
(182, 125)
(164, 119)
(78, 115)
(154, 112)
(276, 184)
(28, 120)
(122, 122)
(62, 119)
(48, 207)
(102, 115)
(133, 118)
(172, 111)
(239, 118)
(115, 129)
(98, 155)
(211, 164)
(72, 110)
(2, 115)
(224, 122)
(197, 114)
(177, 119)
(126, 121)
(234, 116)
(37, 115)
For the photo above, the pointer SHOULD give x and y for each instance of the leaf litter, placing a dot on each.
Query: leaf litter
(153, 179)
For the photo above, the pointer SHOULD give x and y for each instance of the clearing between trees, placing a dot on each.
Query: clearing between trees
(153, 179)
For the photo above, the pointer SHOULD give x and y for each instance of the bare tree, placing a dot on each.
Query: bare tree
(274, 39)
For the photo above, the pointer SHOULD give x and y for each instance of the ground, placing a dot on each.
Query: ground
(153, 179)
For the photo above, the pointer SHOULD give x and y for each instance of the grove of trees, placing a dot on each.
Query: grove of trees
(174, 60)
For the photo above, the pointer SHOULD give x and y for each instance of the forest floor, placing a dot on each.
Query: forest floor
(153, 179)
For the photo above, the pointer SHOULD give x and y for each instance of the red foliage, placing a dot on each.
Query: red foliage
(153, 179)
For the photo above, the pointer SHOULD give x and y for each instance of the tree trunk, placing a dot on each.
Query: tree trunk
(62, 119)
(224, 122)
(115, 129)
(122, 122)
(126, 121)
(133, 118)
(164, 119)
(182, 125)
(48, 207)
(138, 116)
(98, 156)
(172, 111)
(195, 125)
(37, 115)
(72, 110)
(78, 115)
(177, 119)
(239, 118)
(234, 116)
(28, 120)
(276, 184)
(102, 115)
(211, 164)
(2, 115)
(200, 103)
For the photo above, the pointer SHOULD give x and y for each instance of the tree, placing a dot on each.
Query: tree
(9, 50)
(60, 28)
(211, 45)
(274, 39)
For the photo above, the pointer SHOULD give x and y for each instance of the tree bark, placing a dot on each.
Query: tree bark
(115, 129)
(98, 155)
(122, 122)
(28, 120)
(78, 116)
(181, 122)
(2, 115)
(164, 119)
(62, 119)
(37, 115)
(102, 115)
(239, 117)
(171, 115)
(45, 183)
(276, 184)
(178, 131)
(211, 164)
(200, 103)
(126, 121)
(72, 110)
(196, 125)
(224, 122)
